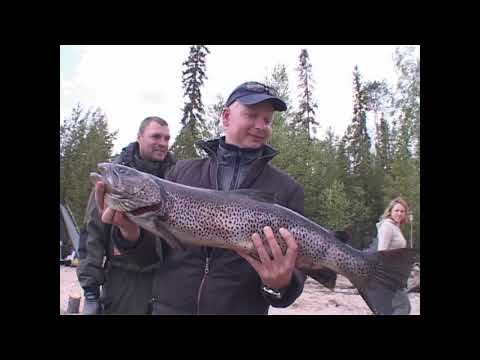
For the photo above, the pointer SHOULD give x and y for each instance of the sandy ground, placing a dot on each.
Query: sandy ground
(315, 299)
(69, 286)
(318, 300)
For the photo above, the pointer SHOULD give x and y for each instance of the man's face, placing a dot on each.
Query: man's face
(248, 126)
(153, 142)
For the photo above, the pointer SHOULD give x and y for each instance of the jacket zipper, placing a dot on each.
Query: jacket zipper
(207, 262)
(205, 273)
(236, 167)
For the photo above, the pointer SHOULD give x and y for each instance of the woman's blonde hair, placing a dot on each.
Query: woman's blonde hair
(388, 211)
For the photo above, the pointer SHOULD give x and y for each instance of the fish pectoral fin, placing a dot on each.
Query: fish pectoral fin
(173, 242)
(168, 237)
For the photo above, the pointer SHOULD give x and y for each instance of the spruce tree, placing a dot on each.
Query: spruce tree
(336, 207)
(193, 122)
(279, 81)
(357, 138)
(383, 146)
(305, 117)
(407, 99)
(85, 141)
(358, 160)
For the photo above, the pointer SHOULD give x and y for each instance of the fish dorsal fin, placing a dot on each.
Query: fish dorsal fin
(259, 195)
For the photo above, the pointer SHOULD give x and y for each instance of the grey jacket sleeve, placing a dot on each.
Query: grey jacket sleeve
(144, 252)
(90, 271)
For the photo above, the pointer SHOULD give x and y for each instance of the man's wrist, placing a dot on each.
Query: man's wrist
(274, 293)
(133, 236)
(122, 243)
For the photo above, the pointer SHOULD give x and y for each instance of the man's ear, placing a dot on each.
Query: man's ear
(225, 117)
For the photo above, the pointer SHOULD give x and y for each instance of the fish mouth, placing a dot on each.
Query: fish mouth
(95, 177)
(145, 209)
(107, 176)
(119, 195)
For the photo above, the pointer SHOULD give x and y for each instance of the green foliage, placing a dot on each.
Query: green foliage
(213, 123)
(348, 183)
(405, 182)
(383, 146)
(305, 117)
(185, 144)
(193, 122)
(336, 207)
(84, 142)
(407, 102)
(280, 82)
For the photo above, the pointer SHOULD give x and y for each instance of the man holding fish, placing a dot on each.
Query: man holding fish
(206, 280)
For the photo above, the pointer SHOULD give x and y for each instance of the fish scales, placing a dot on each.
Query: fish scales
(187, 215)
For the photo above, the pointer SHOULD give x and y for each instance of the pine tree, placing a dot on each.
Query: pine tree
(305, 117)
(193, 122)
(279, 81)
(72, 133)
(330, 170)
(336, 209)
(84, 142)
(407, 101)
(356, 157)
(281, 133)
(378, 96)
(343, 162)
(383, 149)
(357, 138)
(378, 100)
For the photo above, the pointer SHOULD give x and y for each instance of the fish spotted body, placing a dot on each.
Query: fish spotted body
(181, 214)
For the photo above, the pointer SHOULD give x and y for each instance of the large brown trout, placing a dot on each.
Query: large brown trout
(182, 214)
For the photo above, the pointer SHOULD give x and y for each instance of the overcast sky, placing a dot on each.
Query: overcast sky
(130, 83)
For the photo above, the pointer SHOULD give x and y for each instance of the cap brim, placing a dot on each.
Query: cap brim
(252, 99)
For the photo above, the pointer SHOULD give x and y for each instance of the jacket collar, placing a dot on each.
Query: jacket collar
(130, 156)
(211, 147)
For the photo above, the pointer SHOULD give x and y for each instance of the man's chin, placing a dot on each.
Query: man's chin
(257, 143)
(159, 157)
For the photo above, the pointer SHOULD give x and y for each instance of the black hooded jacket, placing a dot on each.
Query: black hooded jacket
(203, 280)
(98, 240)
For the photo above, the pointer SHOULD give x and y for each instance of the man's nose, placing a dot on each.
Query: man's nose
(260, 124)
(162, 142)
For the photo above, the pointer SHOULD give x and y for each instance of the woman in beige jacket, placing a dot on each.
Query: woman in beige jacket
(390, 237)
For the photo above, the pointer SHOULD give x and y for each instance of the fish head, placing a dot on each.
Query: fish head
(130, 190)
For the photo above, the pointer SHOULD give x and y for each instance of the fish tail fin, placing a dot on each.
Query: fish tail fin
(391, 271)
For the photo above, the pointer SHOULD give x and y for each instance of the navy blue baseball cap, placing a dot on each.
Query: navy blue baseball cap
(253, 92)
